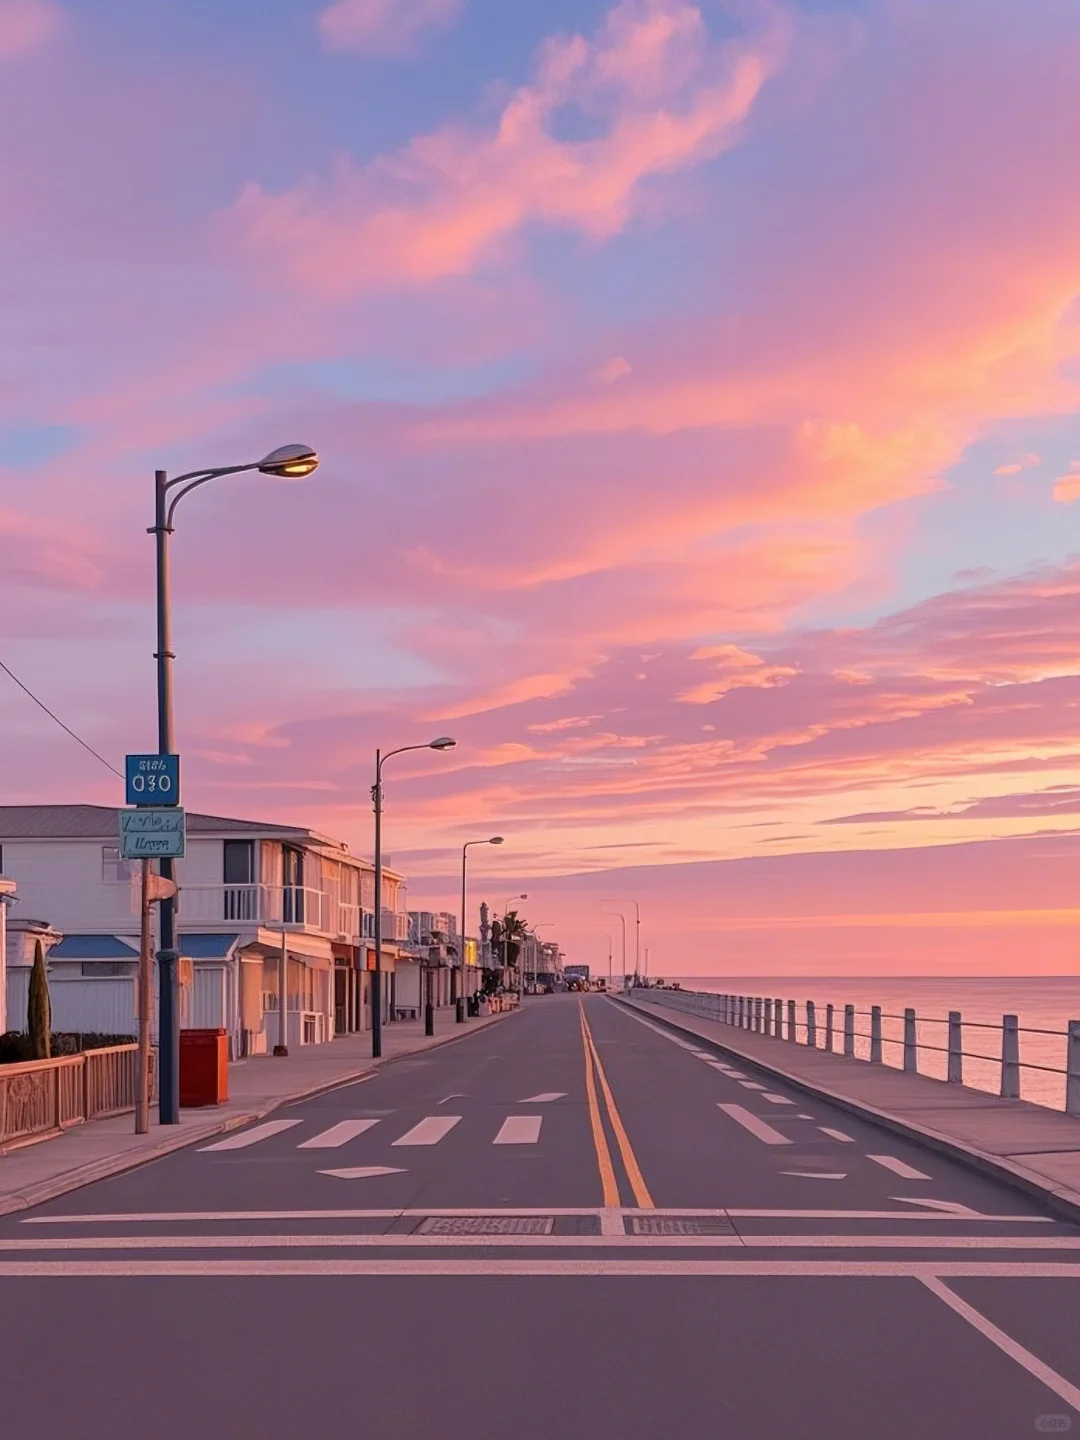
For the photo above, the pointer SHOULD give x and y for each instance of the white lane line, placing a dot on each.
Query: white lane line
(519, 1130)
(490, 1265)
(950, 1207)
(250, 1137)
(759, 1128)
(363, 1172)
(898, 1167)
(160, 1217)
(778, 1099)
(806, 1117)
(339, 1134)
(816, 1174)
(751, 1085)
(543, 1099)
(430, 1130)
(1015, 1351)
(836, 1134)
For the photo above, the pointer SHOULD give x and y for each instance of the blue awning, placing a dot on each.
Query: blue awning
(93, 947)
(206, 947)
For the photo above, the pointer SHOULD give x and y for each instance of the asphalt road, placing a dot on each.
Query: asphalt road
(573, 1223)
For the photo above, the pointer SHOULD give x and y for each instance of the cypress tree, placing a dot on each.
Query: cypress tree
(39, 1010)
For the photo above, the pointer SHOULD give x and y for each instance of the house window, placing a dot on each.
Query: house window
(104, 969)
(114, 871)
(293, 890)
(241, 897)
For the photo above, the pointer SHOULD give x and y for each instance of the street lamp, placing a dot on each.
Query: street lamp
(622, 917)
(444, 742)
(637, 933)
(287, 462)
(459, 1000)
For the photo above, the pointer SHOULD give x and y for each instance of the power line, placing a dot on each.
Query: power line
(41, 705)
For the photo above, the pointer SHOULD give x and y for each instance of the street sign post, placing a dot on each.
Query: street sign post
(147, 834)
(152, 780)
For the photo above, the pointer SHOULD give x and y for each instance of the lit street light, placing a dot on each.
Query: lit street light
(287, 462)
(444, 742)
(459, 999)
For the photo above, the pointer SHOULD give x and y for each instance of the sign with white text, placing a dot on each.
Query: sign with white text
(152, 780)
(150, 834)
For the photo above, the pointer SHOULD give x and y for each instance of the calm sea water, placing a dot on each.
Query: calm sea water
(1041, 1003)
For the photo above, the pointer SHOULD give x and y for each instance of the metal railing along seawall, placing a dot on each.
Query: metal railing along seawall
(39, 1098)
(861, 1035)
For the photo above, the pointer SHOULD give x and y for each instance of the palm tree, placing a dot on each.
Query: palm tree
(514, 930)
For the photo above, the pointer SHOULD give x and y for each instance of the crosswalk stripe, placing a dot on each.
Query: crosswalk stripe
(898, 1167)
(519, 1130)
(751, 1085)
(339, 1134)
(837, 1134)
(759, 1128)
(429, 1131)
(777, 1099)
(250, 1137)
(543, 1098)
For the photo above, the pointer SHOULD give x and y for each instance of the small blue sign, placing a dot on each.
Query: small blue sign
(152, 780)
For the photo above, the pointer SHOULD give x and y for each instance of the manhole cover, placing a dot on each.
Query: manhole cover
(681, 1225)
(487, 1225)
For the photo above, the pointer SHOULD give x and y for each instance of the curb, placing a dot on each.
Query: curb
(183, 1137)
(1057, 1198)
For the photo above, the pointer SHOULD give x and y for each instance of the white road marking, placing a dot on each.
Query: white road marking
(544, 1098)
(490, 1265)
(429, 1131)
(759, 1128)
(727, 1070)
(458, 1095)
(751, 1085)
(1015, 1351)
(898, 1167)
(160, 1217)
(250, 1137)
(363, 1172)
(836, 1134)
(519, 1130)
(777, 1099)
(950, 1207)
(611, 1237)
(816, 1174)
(806, 1117)
(339, 1134)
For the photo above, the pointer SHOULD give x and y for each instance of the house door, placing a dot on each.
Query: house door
(293, 882)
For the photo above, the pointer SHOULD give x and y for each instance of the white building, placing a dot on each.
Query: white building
(247, 888)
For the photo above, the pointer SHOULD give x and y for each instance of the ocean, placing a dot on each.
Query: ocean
(1042, 1003)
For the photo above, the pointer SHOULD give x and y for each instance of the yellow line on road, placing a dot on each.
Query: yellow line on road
(603, 1154)
(633, 1170)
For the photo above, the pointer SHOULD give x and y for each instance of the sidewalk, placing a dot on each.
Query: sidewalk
(35, 1173)
(1030, 1147)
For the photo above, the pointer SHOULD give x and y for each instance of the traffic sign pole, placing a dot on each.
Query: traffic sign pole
(168, 969)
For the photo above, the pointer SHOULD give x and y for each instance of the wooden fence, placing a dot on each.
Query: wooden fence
(40, 1098)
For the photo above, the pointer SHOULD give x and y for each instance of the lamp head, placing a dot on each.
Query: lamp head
(444, 742)
(496, 840)
(290, 462)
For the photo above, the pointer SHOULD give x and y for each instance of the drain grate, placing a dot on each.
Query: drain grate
(681, 1225)
(487, 1225)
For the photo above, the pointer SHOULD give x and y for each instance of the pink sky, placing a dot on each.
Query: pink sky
(696, 386)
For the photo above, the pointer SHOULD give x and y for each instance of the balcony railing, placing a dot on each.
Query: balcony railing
(294, 907)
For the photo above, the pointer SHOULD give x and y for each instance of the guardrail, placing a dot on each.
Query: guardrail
(822, 1027)
(39, 1098)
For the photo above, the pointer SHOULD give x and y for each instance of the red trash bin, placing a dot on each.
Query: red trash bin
(204, 1067)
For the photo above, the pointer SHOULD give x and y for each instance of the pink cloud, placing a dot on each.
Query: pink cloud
(1067, 486)
(384, 26)
(453, 199)
(1014, 467)
(26, 26)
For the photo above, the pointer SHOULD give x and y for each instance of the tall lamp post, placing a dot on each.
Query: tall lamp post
(459, 998)
(637, 933)
(442, 743)
(289, 462)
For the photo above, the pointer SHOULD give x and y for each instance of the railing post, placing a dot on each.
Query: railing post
(1010, 1057)
(1072, 1070)
(86, 1087)
(911, 1046)
(875, 1034)
(778, 1019)
(849, 1031)
(759, 1011)
(768, 1014)
(956, 1048)
(742, 1012)
(811, 1024)
(828, 1028)
(792, 1027)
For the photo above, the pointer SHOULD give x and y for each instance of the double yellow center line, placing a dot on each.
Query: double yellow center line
(595, 1071)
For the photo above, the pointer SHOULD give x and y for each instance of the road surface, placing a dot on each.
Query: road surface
(574, 1223)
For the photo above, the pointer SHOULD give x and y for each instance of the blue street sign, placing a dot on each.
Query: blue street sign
(152, 780)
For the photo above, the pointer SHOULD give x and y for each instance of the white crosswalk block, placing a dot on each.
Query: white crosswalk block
(777, 1099)
(837, 1135)
(519, 1130)
(757, 1127)
(898, 1167)
(543, 1098)
(250, 1137)
(339, 1134)
(752, 1085)
(429, 1131)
